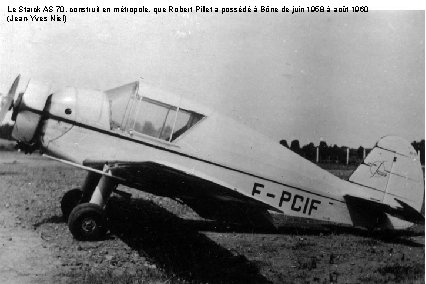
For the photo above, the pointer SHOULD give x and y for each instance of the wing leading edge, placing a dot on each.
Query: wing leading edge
(209, 197)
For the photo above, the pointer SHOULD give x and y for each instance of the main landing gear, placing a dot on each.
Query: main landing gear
(84, 208)
(70, 200)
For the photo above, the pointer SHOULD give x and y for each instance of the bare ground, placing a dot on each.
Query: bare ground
(155, 239)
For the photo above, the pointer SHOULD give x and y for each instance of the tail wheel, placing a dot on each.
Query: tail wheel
(87, 222)
(70, 200)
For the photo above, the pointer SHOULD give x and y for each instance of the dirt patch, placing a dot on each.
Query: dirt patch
(24, 257)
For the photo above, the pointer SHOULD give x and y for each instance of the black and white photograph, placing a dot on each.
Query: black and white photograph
(182, 142)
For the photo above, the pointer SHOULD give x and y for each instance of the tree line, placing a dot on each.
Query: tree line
(338, 154)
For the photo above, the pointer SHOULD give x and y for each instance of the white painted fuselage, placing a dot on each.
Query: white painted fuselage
(77, 127)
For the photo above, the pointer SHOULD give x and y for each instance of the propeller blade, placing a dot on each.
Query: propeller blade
(7, 100)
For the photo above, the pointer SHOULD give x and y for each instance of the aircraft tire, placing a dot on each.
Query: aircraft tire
(87, 222)
(70, 200)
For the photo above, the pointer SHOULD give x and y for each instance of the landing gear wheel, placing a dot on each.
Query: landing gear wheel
(87, 222)
(70, 200)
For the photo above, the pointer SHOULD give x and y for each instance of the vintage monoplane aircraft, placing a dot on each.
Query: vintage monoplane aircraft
(161, 143)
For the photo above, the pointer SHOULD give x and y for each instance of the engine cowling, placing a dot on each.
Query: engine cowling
(28, 111)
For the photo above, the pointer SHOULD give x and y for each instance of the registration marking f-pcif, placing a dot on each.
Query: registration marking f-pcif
(297, 202)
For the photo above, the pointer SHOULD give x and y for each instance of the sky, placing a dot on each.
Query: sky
(347, 79)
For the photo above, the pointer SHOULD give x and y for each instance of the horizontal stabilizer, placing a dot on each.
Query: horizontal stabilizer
(410, 214)
(405, 212)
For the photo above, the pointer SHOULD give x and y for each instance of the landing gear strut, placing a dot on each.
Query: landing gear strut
(87, 221)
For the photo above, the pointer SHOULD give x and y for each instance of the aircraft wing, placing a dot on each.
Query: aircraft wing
(209, 197)
(404, 212)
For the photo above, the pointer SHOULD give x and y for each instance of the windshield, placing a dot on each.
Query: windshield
(141, 116)
(120, 101)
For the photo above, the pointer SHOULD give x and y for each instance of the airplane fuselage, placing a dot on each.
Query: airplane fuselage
(255, 174)
(81, 125)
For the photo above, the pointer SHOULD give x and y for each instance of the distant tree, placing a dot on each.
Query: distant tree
(342, 154)
(149, 129)
(295, 146)
(334, 153)
(323, 144)
(309, 151)
(323, 151)
(284, 143)
(360, 153)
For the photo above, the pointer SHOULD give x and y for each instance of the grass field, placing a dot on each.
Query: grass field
(157, 240)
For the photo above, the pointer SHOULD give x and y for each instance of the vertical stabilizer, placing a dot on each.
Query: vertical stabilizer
(393, 168)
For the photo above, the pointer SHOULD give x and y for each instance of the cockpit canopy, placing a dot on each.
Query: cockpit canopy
(157, 114)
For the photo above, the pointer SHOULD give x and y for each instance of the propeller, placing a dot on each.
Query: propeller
(6, 101)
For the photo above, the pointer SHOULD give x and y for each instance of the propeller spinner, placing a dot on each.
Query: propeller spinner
(6, 101)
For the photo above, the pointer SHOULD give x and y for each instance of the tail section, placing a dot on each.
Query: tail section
(393, 168)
